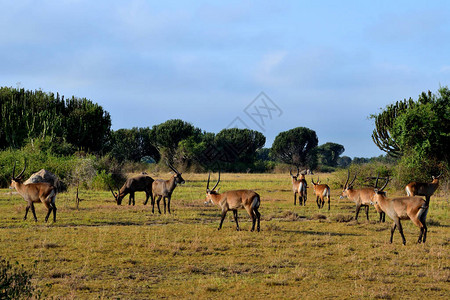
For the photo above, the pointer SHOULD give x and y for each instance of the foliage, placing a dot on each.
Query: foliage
(420, 131)
(384, 122)
(421, 126)
(296, 147)
(133, 144)
(102, 181)
(328, 154)
(344, 161)
(168, 135)
(36, 115)
(15, 281)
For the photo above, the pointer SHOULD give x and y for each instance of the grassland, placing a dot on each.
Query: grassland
(107, 251)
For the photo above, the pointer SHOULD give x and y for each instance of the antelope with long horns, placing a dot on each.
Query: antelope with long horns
(403, 208)
(35, 193)
(423, 188)
(321, 191)
(164, 188)
(361, 197)
(233, 200)
(299, 187)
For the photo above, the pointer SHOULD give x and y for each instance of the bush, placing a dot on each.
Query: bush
(15, 282)
(102, 181)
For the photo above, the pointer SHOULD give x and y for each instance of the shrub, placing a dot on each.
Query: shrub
(15, 282)
(102, 181)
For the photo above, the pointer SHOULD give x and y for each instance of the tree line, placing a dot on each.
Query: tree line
(414, 134)
(68, 126)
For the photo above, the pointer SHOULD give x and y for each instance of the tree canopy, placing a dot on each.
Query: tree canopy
(421, 126)
(296, 147)
(27, 115)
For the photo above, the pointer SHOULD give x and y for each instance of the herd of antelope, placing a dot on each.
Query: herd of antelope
(412, 206)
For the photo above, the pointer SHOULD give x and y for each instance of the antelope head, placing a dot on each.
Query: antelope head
(177, 176)
(296, 176)
(116, 196)
(212, 191)
(347, 186)
(379, 192)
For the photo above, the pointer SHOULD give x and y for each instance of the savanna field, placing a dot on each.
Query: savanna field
(104, 251)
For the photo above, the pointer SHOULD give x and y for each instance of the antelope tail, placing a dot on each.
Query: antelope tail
(256, 202)
(52, 196)
(408, 191)
(423, 211)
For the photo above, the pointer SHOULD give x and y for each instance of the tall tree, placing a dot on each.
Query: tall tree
(168, 135)
(297, 147)
(419, 127)
(329, 153)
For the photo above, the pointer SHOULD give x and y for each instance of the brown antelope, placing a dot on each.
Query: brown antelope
(34, 193)
(299, 187)
(321, 191)
(233, 200)
(164, 189)
(403, 208)
(361, 197)
(423, 188)
(140, 183)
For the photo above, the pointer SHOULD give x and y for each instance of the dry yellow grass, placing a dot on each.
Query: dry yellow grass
(107, 251)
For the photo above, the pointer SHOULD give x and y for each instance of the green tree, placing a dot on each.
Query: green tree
(133, 144)
(329, 153)
(88, 125)
(169, 134)
(421, 132)
(239, 145)
(297, 147)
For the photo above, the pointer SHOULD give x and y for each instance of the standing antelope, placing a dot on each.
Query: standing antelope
(140, 183)
(423, 188)
(34, 193)
(299, 187)
(233, 200)
(164, 189)
(361, 197)
(321, 191)
(403, 208)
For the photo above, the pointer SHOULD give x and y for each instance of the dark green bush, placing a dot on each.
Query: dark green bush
(15, 282)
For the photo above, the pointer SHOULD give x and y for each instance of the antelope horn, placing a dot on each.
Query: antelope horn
(387, 180)
(207, 185)
(172, 167)
(21, 173)
(354, 178)
(218, 180)
(112, 191)
(348, 177)
(14, 169)
(376, 182)
(290, 172)
(298, 171)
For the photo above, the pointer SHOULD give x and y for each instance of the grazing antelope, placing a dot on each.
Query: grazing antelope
(361, 197)
(233, 200)
(403, 208)
(164, 189)
(423, 188)
(140, 183)
(321, 191)
(34, 193)
(299, 187)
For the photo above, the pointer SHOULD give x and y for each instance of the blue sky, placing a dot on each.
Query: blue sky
(326, 65)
